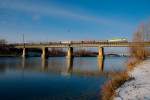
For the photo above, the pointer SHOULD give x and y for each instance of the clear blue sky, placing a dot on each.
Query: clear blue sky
(51, 20)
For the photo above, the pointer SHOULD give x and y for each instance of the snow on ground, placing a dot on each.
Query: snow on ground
(139, 87)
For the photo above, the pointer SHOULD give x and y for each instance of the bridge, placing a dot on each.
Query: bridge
(100, 45)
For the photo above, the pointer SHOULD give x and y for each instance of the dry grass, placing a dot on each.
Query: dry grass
(108, 90)
(132, 62)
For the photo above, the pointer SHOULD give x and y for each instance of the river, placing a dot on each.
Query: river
(57, 78)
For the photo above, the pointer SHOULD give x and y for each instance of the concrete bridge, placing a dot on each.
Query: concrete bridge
(100, 45)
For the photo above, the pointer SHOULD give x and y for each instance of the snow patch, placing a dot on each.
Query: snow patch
(139, 87)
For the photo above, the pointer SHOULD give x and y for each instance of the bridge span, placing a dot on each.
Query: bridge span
(100, 45)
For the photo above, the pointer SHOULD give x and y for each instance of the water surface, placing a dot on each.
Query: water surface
(57, 78)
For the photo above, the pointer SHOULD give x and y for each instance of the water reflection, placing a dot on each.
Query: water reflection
(100, 62)
(44, 64)
(69, 65)
(23, 62)
(78, 66)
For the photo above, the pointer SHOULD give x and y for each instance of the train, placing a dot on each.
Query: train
(94, 41)
(83, 41)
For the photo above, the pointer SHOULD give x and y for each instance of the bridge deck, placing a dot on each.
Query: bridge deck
(78, 45)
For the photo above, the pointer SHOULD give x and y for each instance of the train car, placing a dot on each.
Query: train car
(66, 42)
(118, 40)
(101, 41)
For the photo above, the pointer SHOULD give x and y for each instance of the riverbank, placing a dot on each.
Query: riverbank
(139, 87)
(7, 55)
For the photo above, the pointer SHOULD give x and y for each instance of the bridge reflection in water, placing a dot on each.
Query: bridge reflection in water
(100, 62)
(44, 64)
(23, 63)
(67, 70)
(70, 65)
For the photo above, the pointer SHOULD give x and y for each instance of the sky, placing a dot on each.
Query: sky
(65, 20)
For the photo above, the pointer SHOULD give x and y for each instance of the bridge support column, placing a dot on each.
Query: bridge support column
(24, 52)
(100, 52)
(44, 53)
(70, 52)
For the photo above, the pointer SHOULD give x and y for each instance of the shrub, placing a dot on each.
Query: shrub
(108, 90)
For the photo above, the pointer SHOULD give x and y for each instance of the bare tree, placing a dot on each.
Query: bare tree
(142, 35)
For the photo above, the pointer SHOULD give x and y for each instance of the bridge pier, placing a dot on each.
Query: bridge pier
(24, 52)
(70, 52)
(44, 53)
(100, 52)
